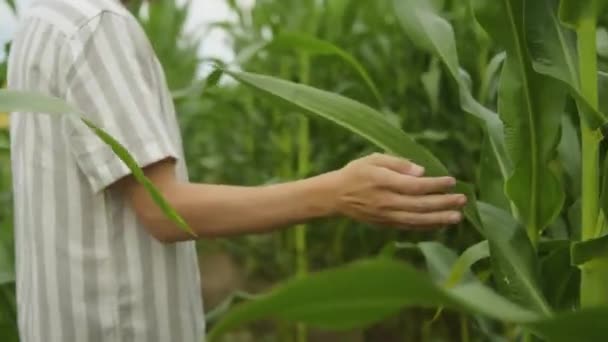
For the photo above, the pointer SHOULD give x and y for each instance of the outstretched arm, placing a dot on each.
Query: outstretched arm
(378, 189)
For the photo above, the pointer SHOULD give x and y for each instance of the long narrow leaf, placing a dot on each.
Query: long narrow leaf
(360, 119)
(348, 113)
(28, 102)
(553, 51)
(371, 125)
(422, 23)
(530, 106)
(515, 262)
(355, 296)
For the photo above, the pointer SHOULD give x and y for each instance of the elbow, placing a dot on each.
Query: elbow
(156, 225)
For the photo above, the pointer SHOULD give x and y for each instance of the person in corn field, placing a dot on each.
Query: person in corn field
(97, 260)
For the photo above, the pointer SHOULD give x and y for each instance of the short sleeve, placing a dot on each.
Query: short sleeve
(112, 79)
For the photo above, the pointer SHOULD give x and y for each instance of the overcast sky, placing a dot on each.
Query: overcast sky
(202, 13)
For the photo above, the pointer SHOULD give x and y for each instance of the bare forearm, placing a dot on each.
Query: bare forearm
(220, 210)
(377, 189)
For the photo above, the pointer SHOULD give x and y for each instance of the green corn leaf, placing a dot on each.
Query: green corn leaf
(569, 150)
(439, 259)
(425, 27)
(561, 281)
(530, 106)
(514, 259)
(461, 269)
(491, 74)
(28, 102)
(433, 33)
(490, 182)
(371, 125)
(360, 119)
(443, 264)
(353, 296)
(584, 251)
(440, 263)
(357, 117)
(552, 48)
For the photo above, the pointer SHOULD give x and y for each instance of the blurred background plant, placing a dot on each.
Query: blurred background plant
(232, 135)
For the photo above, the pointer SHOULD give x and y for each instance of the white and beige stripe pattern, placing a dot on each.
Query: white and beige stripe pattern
(86, 269)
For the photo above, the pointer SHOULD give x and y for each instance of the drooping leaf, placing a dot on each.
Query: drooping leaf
(353, 296)
(358, 118)
(516, 269)
(553, 51)
(28, 102)
(530, 106)
(345, 112)
(426, 28)
(489, 81)
(507, 243)
(490, 182)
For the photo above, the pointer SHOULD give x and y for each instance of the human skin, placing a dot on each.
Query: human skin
(377, 189)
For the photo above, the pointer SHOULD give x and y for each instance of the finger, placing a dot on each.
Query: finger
(423, 204)
(409, 185)
(397, 164)
(404, 218)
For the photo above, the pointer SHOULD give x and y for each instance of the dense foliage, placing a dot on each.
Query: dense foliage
(502, 93)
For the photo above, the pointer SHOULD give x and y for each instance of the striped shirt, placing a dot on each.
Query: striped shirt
(87, 271)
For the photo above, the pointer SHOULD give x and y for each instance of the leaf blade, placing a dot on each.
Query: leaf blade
(530, 106)
(352, 297)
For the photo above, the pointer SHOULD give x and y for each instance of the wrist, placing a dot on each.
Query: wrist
(324, 194)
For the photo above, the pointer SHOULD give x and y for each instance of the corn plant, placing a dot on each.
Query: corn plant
(548, 70)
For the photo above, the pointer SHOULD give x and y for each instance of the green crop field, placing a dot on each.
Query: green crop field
(505, 95)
